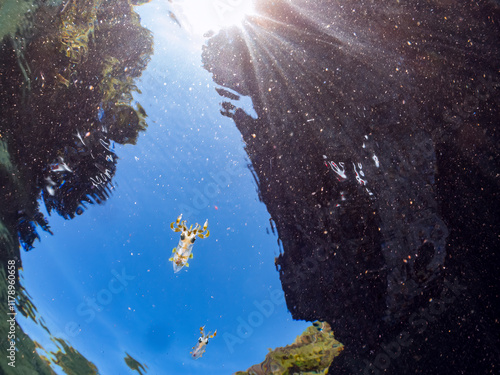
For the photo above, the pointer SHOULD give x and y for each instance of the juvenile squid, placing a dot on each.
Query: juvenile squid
(200, 346)
(184, 249)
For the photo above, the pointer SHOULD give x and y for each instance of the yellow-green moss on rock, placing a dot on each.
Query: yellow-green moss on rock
(311, 353)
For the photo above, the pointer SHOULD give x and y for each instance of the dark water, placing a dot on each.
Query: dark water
(372, 141)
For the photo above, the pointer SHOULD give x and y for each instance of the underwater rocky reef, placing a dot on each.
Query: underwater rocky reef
(375, 152)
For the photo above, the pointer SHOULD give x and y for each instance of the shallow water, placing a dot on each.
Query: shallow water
(344, 156)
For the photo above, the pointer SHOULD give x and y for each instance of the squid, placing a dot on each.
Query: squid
(201, 345)
(183, 251)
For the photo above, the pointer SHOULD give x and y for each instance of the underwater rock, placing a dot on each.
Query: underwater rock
(66, 83)
(67, 73)
(375, 131)
(311, 353)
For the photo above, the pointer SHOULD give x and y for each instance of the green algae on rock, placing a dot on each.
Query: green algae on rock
(311, 353)
(31, 357)
(135, 365)
(67, 79)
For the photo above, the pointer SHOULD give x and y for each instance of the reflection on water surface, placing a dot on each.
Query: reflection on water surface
(365, 141)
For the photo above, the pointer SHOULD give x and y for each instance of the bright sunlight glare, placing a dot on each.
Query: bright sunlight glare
(202, 16)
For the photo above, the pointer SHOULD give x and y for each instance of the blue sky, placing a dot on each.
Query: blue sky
(190, 160)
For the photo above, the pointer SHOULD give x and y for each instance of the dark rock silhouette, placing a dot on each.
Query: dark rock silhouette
(372, 119)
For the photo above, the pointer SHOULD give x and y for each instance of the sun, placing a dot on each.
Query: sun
(202, 16)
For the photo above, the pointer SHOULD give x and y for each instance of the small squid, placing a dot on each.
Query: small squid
(184, 249)
(201, 345)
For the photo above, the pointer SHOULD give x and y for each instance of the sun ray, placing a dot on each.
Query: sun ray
(203, 16)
